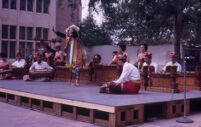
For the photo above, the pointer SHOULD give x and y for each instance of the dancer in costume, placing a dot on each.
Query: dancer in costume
(141, 56)
(121, 53)
(77, 54)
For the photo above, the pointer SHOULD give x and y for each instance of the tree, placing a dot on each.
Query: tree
(152, 20)
(91, 34)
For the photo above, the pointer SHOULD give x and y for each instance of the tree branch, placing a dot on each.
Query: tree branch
(183, 6)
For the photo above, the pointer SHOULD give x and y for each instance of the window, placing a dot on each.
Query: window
(12, 49)
(12, 32)
(39, 6)
(38, 33)
(4, 47)
(45, 34)
(4, 31)
(13, 4)
(30, 5)
(22, 48)
(29, 33)
(29, 48)
(23, 5)
(4, 3)
(46, 6)
(22, 33)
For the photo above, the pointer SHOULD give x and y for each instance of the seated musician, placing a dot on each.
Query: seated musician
(19, 63)
(148, 61)
(5, 69)
(121, 53)
(173, 62)
(96, 61)
(59, 55)
(128, 82)
(49, 56)
(39, 70)
(140, 59)
(4, 63)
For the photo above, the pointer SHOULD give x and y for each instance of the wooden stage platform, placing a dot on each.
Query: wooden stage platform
(87, 104)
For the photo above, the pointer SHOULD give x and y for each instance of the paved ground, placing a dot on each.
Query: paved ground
(13, 116)
(90, 93)
(172, 122)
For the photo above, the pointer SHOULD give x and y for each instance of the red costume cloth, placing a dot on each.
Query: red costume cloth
(131, 88)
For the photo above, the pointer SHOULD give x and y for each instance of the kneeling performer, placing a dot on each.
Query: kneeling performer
(128, 82)
(39, 70)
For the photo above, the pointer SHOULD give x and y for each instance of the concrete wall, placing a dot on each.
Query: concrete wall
(160, 54)
(64, 14)
(30, 19)
(58, 16)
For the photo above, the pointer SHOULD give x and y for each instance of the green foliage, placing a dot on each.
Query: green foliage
(150, 20)
(91, 34)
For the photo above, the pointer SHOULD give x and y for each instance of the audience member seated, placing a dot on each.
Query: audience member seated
(59, 56)
(49, 56)
(96, 61)
(4, 64)
(173, 62)
(5, 69)
(39, 71)
(19, 63)
(128, 82)
(121, 53)
(148, 61)
(114, 53)
(140, 59)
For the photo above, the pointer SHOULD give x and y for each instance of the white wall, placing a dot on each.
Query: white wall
(160, 54)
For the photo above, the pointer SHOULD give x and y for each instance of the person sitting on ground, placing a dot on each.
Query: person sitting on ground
(59, 56)
(39, 70)
(96, 60)
(148, 61)
(173, 62)
(128, 82)
(19, 63)
(140, 59)
(114, 53)
(121, 53)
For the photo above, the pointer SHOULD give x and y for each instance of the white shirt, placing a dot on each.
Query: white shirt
(152, 64)
(129, 72)
(175, 64)
(19, 63)
(42, 65)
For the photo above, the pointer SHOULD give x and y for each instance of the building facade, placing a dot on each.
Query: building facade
(21, 21)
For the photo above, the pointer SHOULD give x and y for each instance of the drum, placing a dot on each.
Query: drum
(168, 68)
(18, 72)
(40, 73)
